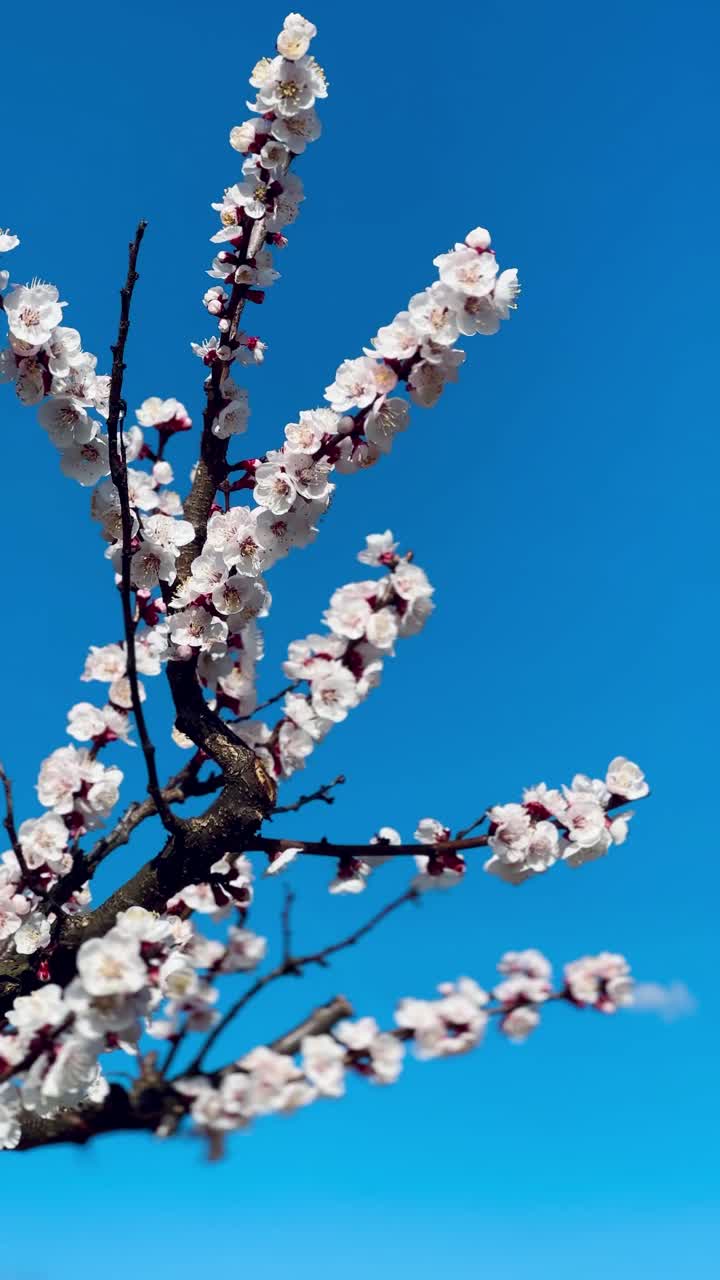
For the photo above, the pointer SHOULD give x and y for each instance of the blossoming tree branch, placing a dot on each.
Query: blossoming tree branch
(135, 980)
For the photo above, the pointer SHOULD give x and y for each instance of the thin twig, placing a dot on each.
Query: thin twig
(286, 923)
(275, 698)
(322, 793)
(9, 824)
(294, 965)
(465, 831)
(175, 1044)
(118, 471)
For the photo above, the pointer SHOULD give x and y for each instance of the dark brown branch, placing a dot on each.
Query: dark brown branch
(286, 923)
(144, 1107)
(151, 1104)
(345, 852)
(118, 471)
(321, 957)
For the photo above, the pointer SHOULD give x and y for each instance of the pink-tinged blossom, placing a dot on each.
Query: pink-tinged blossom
(379, 549)
(357, 383)
(44, 843)
(33, 311)
(323, 1062)
(519, 1022)
(602, 981)
(281, 860)
(468, 271)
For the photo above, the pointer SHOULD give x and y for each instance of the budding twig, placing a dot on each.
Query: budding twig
(322, 793)
(294, 965)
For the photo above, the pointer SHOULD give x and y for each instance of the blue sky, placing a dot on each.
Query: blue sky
(574, 550)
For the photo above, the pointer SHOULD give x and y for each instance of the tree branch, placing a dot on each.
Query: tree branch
(141, 1108)
(344, 852)
(9, 824)
(286, 923)
(118, 471)
(211, 470)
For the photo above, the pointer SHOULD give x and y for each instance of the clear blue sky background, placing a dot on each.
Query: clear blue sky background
(575, 555)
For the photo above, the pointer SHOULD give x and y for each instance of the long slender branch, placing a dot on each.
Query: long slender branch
(324, 848)
(211, 470)
(286, 924)
(118, 471)
(294, 965)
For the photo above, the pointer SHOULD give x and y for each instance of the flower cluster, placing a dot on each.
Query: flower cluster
(601, 981)
(453, 1024)
(292, 484)
(266, 197)
(145, 973)
(46, 359)
(74, 784)
(266, 1082)
(78, 792)
(418, 347)
(230, 884)
(575, 825)
(292, 489)
(341, 666)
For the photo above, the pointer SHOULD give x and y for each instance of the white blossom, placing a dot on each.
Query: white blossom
(111, 965)
(323, 1063)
